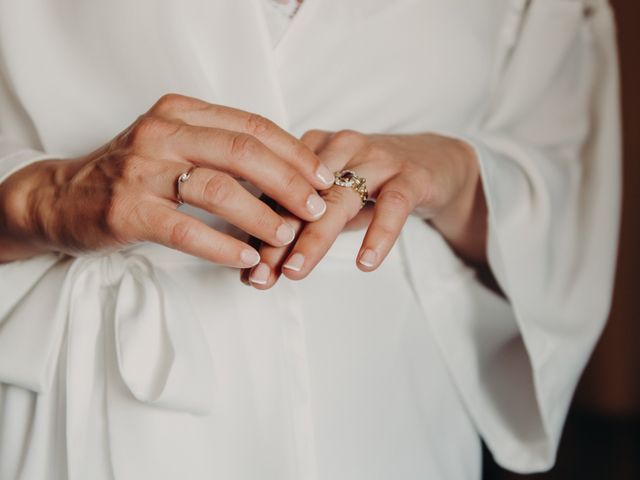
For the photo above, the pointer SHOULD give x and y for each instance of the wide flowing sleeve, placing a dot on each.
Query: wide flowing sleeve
(549, 153)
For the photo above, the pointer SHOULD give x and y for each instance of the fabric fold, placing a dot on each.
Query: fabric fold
(161, 349)
(162, 352)
(549, 155)
(31, 331)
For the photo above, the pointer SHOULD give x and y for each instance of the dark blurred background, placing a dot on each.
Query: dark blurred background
(602, 435)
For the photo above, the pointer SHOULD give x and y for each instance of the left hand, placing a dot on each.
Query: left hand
(430, 175)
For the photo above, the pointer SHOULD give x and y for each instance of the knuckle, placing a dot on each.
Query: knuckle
(313, 139)
(181, 233)
(315, 237)
(290, 182)
(218, 190)
(300, 151)
(264, 221)
(347, 137)
(172, 102)
(396, 200)
(223, 250)
(375, 150)
(147, 128)
(314, 133)
(258, 125)
(385, 231)
(242, 146)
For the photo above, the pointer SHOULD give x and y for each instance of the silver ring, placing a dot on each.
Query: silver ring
(182, 179)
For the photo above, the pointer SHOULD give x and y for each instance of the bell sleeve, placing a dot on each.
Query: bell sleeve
(549, 154)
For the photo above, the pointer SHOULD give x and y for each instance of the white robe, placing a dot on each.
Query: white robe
(148, 363)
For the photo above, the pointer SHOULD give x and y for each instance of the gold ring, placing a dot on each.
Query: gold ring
(182, 178)
(349, 179)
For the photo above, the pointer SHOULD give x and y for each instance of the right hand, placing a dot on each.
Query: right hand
(125, 192)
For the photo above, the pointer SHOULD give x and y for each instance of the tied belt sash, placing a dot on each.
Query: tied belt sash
(161, 349)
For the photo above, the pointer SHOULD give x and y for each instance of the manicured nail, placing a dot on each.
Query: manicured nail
(260, 274)
(368, 258)
(250, 257)
(295, 262)
(285, 234)
(324, 174)
(316, 205)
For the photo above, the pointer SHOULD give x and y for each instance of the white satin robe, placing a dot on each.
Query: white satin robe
(150, 364)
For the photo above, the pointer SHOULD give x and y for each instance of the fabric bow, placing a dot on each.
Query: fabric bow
(161, 351)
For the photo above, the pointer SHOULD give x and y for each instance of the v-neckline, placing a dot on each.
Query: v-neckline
(305, 9)
(270, 51)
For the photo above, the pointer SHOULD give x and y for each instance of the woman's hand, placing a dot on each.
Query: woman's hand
(429, 175)
(125, 192)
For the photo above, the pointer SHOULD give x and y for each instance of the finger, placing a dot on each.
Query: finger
(222, 195)
(164, 225)
(362, 220)
(244, 156)
(286, 146)
(255, 243)
(396, 200)
(316, 140)
(346, 145)
(316, 238)
(265, 275)
(341, 148)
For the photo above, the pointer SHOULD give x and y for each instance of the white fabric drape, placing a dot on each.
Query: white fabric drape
(548, 150)
(278, 14)
(149, 364)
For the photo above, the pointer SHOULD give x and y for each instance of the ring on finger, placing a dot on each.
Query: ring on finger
(182, 178)
(349, 179)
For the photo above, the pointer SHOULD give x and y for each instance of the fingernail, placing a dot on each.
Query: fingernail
(249, 257)
(295, 262)
(285, 234)
(368, 258)
(324, 174)
(316, 205)
(260, 274)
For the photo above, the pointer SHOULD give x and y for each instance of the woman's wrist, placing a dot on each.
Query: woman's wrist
(463, 222)
(25, 196)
